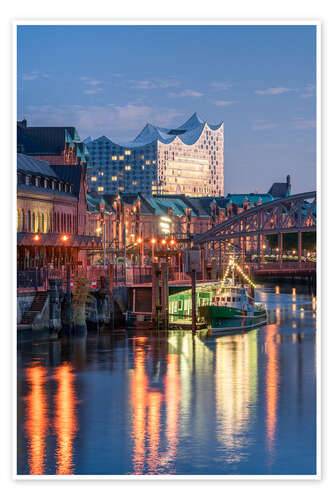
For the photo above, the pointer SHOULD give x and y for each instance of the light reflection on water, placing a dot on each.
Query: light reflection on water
(174, 404)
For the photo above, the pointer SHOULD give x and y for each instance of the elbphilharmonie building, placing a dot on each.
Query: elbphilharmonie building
(187, 160)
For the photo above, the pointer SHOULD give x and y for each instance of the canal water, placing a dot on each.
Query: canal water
(175, 403)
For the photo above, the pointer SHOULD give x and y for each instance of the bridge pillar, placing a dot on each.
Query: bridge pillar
(243, 247)
(299, 234)
(280, 249)
(259, 250)
(220, 259)
(203, 263)
(155, 292)
(165, 294)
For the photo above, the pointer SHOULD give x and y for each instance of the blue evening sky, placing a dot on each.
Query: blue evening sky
(111, 80)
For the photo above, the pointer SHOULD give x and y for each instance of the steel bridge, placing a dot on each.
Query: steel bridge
(247, 230)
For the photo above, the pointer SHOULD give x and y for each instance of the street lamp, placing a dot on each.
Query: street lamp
(153, 241)
(140, 242)
(100, 230)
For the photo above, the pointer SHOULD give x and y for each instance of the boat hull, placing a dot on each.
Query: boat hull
(225, 319)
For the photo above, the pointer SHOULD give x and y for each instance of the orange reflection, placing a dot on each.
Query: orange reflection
(272, 374)
(236, 389)
(154, 403)
(138, 399)
(65, 420)
(37, 421)
(172, 395)
(277, 290)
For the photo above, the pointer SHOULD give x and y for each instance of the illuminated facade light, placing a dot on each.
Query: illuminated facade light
(64, 237)
(36, 237)
(153, 241)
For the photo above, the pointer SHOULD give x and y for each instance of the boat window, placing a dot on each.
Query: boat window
(179, 305)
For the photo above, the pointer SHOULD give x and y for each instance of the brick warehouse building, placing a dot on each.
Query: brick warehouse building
(187, 160)
(51, 214)
(130, 216)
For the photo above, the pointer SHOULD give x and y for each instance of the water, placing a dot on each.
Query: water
(174, 404)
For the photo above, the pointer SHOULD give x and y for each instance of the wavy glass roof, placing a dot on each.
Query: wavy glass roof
(189, 132)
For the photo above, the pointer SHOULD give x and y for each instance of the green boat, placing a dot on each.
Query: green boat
(223, 307)
(232, 307)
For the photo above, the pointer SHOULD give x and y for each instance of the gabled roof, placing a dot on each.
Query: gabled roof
(71, 174)
(45, 140)
(32, 165)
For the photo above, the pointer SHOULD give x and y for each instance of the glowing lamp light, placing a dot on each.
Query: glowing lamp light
(139, 240)
(172, 242)
(36, 237)
(163, 242)
(153, 241)
(64, 237)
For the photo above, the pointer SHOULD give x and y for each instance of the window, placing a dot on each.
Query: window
(101, 173)
(121, 157)
(147, 162)
(127, 152)
(27, 180)
(94, 179)
(114, 178)
(143, 167)
(114, 158)
(127, 167)
(100, 188)
(134, 183)
(142, 157)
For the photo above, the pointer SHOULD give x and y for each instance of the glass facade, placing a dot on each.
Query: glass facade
(188, 160)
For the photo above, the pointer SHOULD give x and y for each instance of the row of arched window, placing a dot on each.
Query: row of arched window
(32, 221)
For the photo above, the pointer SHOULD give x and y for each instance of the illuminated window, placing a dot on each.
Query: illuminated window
(114, 178)
(154, 161)
(121, 188)
(127, 152)
(147, 162)
(134, 183)
(113, 158)
(127, 167)
(101, 173)
(142, 157)
(121, 157)
(100, 188)
(143, 167)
